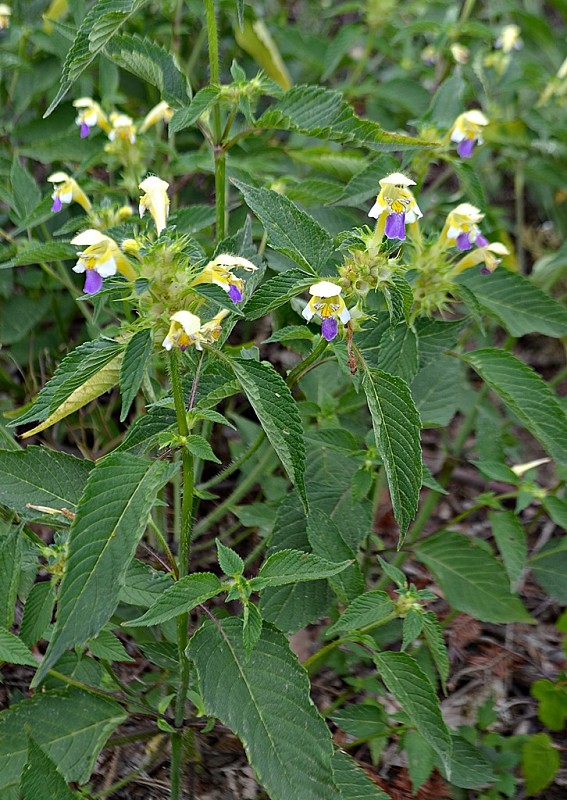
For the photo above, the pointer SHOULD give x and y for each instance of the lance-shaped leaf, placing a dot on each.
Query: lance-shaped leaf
(295, 566)
(179, 598)
(37, 253)
(367, 609)
(133, 368)
(111, 517)
(277, 291)
(352, 781)
(101, 23)
(11, 556)
(70, 726)
(412, 688)
(14, 651)
(265, 701)
(188, 115)
(41, 780)
(396, 426)
(41, 477)
(290, 230)
(277, 411)
(527, 395)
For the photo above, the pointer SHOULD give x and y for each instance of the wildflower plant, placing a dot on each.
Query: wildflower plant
(276, 296)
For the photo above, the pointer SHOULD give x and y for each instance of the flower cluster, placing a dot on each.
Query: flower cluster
(186, 329)
(116, 126)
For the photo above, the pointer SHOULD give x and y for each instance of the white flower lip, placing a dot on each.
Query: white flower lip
(475, 116)
(498, 248)
(473, 213)
(324, 289)
(58, 177)
(90, 237)
(396, 179)
(153, 184)
(188, 321)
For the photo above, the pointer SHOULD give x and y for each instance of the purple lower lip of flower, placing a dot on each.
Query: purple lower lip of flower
(396, 225)
(329, 328)
(481, 241)
(463, 241)
(93, 282)
(465, 148)
(57, 204)
(485, 271)
(85, 130)
(235, 294)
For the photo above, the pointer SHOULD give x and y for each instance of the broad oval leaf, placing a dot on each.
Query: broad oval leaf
(133, 368)
(41, 780)
(265, 700)
(179, 598)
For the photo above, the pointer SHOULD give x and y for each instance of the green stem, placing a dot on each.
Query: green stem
(236, 464)
(520, 213)
(183, 569)
(161, 539)
(219, 150)
(220, 191)
(304, 366)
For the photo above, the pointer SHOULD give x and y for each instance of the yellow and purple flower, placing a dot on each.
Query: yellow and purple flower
(123, 128)
(467, 131)
(395, 205)
(155, 200)
(90, 114)
(220, 272)
(66, 190)
(489, 253)
(326, 303)
(461, 227)
(186, 330)
(101, 259)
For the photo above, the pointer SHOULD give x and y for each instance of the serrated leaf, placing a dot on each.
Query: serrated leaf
(472, 580)
(540, 763)
(41, 780)
(70, 726)
(108, 647)
(398, 295)
(38, 611)
(433, 634)
(75, 369)
(436, 336)
(179, 598)
(41, 253)
(11, 554)
(396, 425)
(364, 185)
(437, 391)
(133, 368)
(143, 432)
(276, 291)
(398, 353)
(111, 517)
(101, 23)
(394, 573)
(252, 627)
(277, 411)
(410, 686)
(549, 566)
(188, 115)
(470, 769)
(352, 782)
(14, 651)
(199, 447)
(290, 230)
(327, 542)
(520, 305)
(511, 539)
(25, 191)
(527, 395)
(421, 759)
(324, 113)
(229, 561)
(268, 703)
(367, 609)
(411, 628)
(151, 63)
(142, 585)
(294, 566)
(41, 477)
(446, 103)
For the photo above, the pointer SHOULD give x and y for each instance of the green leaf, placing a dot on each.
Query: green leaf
(188, 115)
(229, 561)
(470, 769)
(143, 585)
(20, 316)
(526, 395)
(14, 651)
(396, 429)
(70, 726)
(277, 291)
(152, 64)
(433, 633)
(38, 611)
(446, 104)
(142, 434)
(277, 411)
(410, 686)
(111, 518)
(11, 555)
(179, 598)
(421, 759)
(549, 566)
(327, 542)
(252, 627)
(437, 390)
(133, 368)
(398, 352)
(41, 780)
(294, 566)
(324, 113)
(472, 580)
(511, 539)
(25, 191)
(41, 477)
(199, 447)
(268, 704)
(255, 38)
(436, 336)
(215, 294)
(367, 609)
(108, 647)
(540, 763)
(394, 573)
(352, 781)
(552, 708)
(290, 231)
(516, 302)
(41, 253)
(411, 628)
(101, 23)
